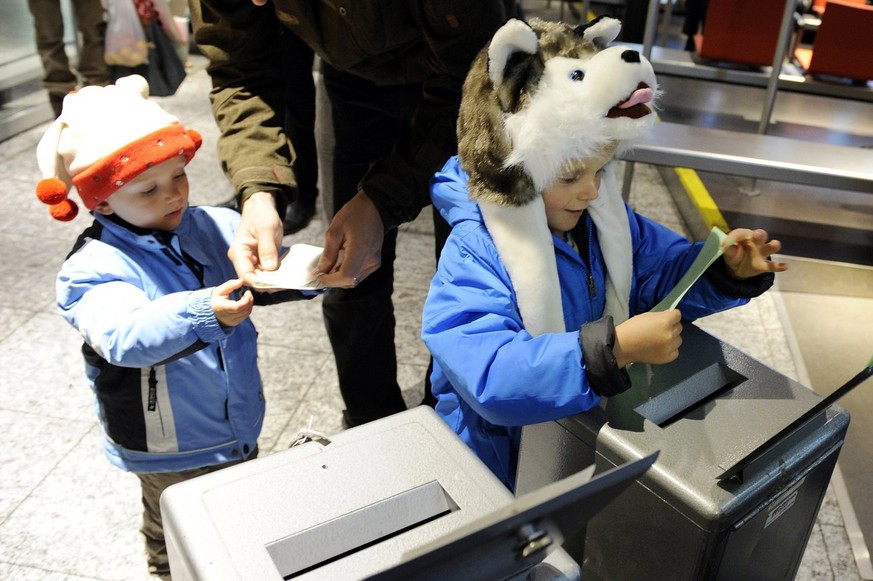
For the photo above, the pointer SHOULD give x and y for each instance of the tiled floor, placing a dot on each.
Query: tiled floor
(65, 513)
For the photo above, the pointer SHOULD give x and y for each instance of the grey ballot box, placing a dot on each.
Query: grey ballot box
(728, 498)
(400, 494)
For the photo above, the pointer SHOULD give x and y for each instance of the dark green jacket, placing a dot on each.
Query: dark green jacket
(387, 41)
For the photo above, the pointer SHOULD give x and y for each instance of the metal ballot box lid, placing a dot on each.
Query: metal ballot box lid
(394, 496)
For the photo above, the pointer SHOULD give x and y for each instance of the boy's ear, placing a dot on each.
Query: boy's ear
(103, 208)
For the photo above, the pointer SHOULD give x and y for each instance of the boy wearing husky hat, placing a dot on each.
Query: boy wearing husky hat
(544, 287)
(169, 349)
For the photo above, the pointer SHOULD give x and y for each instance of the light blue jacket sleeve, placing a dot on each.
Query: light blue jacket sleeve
(117, 318)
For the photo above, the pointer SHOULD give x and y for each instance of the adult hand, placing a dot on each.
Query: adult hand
(258, 238)
(649, 338)
(228, 311)
(749, 253)
(352, 244)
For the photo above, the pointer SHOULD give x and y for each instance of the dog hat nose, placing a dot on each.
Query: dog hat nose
(630, 56)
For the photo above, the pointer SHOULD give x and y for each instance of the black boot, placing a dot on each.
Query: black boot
(299, 213)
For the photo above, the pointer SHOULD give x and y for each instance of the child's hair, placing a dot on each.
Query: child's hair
(105, 137)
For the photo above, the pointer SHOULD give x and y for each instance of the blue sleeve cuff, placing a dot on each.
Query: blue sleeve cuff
(203, 321)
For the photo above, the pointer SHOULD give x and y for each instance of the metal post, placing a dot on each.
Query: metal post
(667, 21)
(651, 25)
(778, 59)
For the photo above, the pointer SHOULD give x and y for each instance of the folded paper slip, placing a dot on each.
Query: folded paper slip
(710, 252)
(295, 270)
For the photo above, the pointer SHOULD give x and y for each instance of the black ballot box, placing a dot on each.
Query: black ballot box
(739, 480)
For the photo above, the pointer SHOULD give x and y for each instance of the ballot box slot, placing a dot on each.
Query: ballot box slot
(690, 394)
(359, 529)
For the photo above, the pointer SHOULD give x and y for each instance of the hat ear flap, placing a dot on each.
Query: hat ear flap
(55, 187)
(600, 31)
(195, 137)
(514, 62)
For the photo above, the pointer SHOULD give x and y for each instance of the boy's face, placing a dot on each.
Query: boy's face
(571, 193)
(154, 200)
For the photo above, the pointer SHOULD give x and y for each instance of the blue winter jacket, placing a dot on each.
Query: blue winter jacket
(174, 389)
(490, 376)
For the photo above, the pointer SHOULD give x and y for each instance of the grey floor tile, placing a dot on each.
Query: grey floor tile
(815, 565)
(298, 325)
(415, 263)
(410, 347)
(82, 519)
(22, 573)
(841, 561)
(11, 319)
(32, 446)
(43, 372)
(287, 376)
(31, 273)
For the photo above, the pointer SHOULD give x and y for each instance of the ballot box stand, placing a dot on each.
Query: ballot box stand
(727, 499)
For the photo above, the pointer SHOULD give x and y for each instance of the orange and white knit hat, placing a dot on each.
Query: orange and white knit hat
(105, 137)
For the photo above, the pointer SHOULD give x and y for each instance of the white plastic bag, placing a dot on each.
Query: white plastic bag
(125, 39)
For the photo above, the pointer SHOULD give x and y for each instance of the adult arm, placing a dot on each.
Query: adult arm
(396, 188)
(241, 41)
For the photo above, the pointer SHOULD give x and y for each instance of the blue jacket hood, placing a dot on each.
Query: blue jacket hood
(450, 196)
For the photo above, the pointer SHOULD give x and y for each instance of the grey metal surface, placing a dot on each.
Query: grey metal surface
(704, 412)
(346, 510)
(767, 157)
(677, 62)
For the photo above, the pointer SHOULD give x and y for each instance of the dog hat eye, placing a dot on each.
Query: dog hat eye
(577, 75)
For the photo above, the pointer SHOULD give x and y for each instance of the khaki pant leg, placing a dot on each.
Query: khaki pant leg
(58, 78)
(91, 22)
(153, 485)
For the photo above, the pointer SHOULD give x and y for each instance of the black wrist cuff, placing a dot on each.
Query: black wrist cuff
(720, 277)
(597, 339)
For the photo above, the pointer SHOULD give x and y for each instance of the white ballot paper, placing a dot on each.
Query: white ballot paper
(294, 272)
(708, 254)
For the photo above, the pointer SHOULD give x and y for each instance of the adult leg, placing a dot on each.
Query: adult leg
(58, 79)
(367, 121)
(297, 61)
(91, 22)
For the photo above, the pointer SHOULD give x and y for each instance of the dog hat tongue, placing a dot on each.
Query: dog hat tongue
(643, 95)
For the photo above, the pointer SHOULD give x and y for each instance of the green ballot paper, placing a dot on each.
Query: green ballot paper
(708, 254)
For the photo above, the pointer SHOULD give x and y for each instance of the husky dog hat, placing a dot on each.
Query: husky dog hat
(538, 96)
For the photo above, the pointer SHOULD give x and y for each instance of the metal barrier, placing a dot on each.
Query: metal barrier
(753, 155)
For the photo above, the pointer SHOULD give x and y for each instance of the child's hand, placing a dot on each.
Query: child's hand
(748, 255)
(648, 338)
(229, 312)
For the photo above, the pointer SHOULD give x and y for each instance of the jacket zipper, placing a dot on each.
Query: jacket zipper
(592, 287)
(183, 259)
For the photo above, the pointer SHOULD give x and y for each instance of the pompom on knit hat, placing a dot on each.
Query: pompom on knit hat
(105, 137)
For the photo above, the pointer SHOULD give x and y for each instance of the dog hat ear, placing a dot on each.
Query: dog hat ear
(600, 31)
(514, 61)
(513, 37)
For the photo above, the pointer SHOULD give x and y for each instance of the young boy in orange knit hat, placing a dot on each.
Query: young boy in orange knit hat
(169, 349)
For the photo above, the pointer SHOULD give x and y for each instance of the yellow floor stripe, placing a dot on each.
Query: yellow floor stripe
(701, 199)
